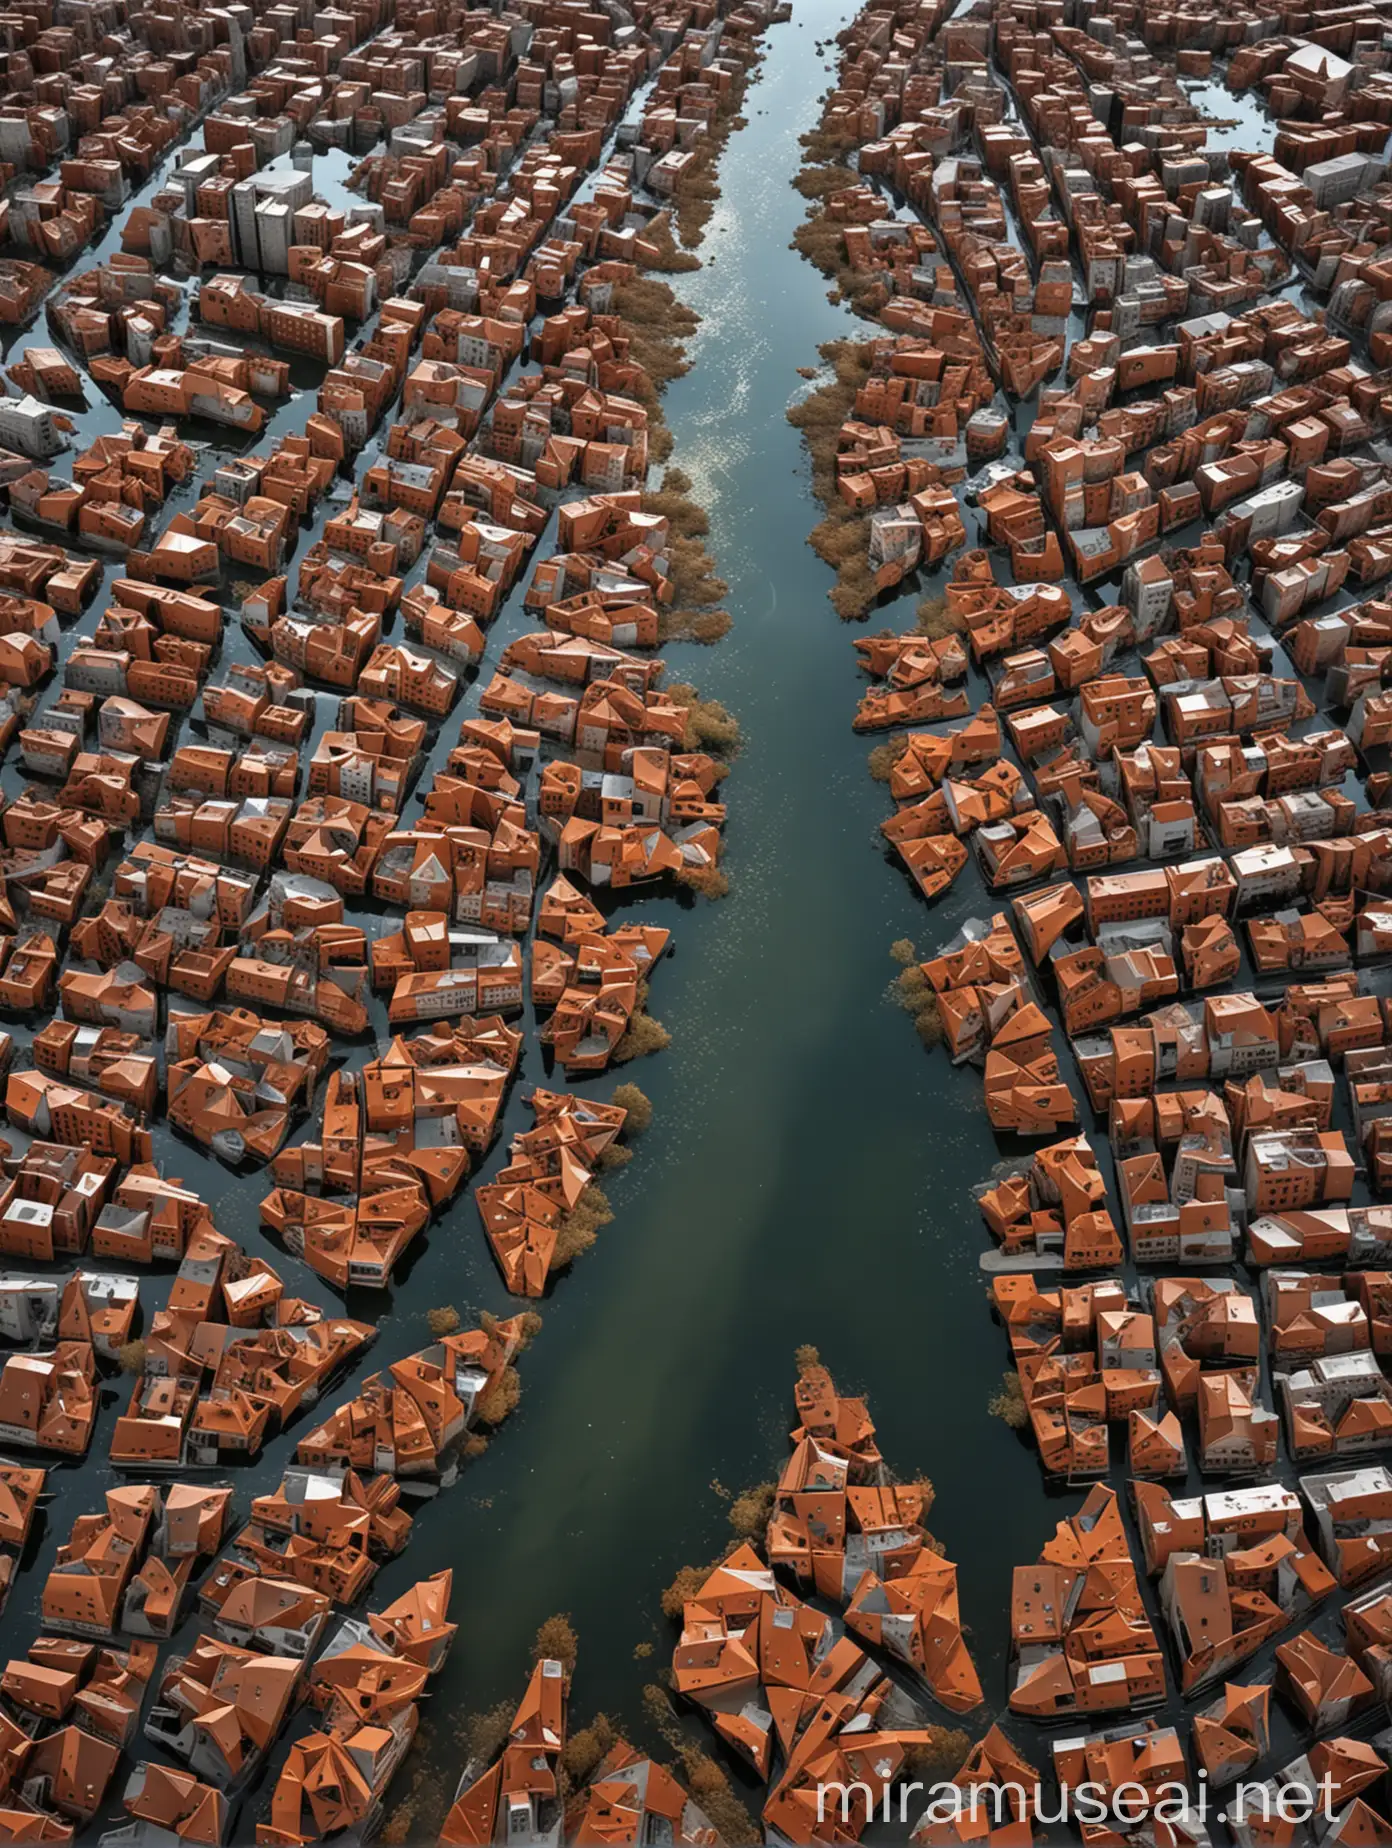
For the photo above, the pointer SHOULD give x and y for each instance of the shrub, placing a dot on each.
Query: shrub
(638, 1106)
(940, 1756)
(645, 305)
(501, 1399)
(924, 1485)
(1009, 1403)
(396, 1830)
(579, 1227)
(749, 1513)
(443, 1321)
(842, 538)
(821, 239)
(705, 627)
(659, 352)
(709, 727)
(691, 569)
(657, 1704)
(670, 257)
(615, 1156)
(642, 1036)
(586, 1750)
(816, 181)
(882, 760)
(572, 1241)
(692, 572)
(556, 1641)
(656, 324)
(530, 1327)
(928, 1024)
(130, 1357)
(696, 194)
(684, 1586)
(420, 1814)
(673, 501)
(483, 1735)
(902, 951)
(936, 621)
(805, 1358)
(917, 996)
(709, 881)
(911, 987)
(827, 144)
(712, 1791)
(710, 626)
(854, 597)
(698, 189)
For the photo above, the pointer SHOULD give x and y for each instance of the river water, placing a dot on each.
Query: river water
(807, 1177)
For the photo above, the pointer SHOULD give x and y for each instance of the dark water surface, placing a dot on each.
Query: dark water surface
(807, 1175)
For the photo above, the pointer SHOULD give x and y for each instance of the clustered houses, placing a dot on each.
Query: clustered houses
(215, 883)
(1144, 721)
(914, 521)
(208, 1388)
(72, 1704)
(275, 1674)
(116, 484)
(627, 1797)
(418, 1421)
(263, 825)
(232, 828)
(800, 1700)
(572, 772)
(1083, 1654)
(844, 1528)
(48, 1393)
(916, 675)
(264, 832)
(21, 1485)
(476, 450)
(751, 1650)
(524, 1207)
(280, 1670)
(401, 1136)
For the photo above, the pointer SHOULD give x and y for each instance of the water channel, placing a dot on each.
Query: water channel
(807, 1177)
